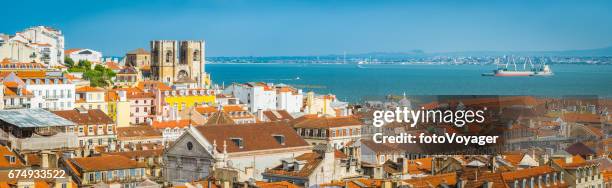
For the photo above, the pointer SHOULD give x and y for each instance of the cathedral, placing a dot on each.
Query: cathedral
(178, 62)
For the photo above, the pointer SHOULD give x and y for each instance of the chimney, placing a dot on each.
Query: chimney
(112, 145)
(260, 115)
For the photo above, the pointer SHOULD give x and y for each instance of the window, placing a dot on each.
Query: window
(91, 177)
(238, 142)
(189, 146)
(109, 128)
(80, 129)
(168, 56)
(196, 55)
(90, 129)
(280, 139)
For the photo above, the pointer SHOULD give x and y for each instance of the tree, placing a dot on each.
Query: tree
(99, 76)
(84, 64)
(68, 62)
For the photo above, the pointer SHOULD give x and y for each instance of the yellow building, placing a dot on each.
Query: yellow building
(187, 98)
(88, 97)
(320, 104)
(118, 107)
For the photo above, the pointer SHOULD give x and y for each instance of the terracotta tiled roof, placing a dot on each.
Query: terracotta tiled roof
(91, 117)
(13, 89)
(4, 163)
(137, 153)
(69, 51)
(26, 74)
(515, 159)
(526, 173)
(206, 109)
(483, 177)
(311, 161)
(324, 122)
(279, 184)
(232, 108)
(89, 89)
(354, 183)
(113, 66)
(219, 118)
(137, 132)
(148, 84)
(102, 163)
(277, 115)
(136, 93)
(170, 124)
(41, 184)
(576, 162)
(257, 136)
(449, 179)
(581, 118)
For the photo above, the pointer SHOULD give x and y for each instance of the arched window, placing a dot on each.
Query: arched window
(168, 56)
(196, 55)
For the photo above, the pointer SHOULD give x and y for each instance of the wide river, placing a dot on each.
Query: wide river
(355, 83)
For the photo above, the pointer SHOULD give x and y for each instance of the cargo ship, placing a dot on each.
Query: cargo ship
(544, 70)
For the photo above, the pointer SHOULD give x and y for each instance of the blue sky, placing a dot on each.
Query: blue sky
(317, 27)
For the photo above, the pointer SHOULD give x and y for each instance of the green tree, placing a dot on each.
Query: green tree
(99, 76)
(68, 62)
(84, 64)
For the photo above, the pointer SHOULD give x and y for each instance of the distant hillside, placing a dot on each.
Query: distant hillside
(588, 52)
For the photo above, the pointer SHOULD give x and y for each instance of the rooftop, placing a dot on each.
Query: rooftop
(85, 117)
(256, 136)
(35, 117)
(102, 163)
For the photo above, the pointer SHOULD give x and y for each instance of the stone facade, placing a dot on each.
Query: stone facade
(178, 62)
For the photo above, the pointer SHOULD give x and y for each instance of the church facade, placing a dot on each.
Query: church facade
(179, 62)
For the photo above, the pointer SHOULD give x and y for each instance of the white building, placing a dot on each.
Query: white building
(17, 51)
(50, 43)
(53, 93)
(84, 54)
(262, 96)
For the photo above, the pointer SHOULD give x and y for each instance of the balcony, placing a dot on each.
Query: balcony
(52, 97)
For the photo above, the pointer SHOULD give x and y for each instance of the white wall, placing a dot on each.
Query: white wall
(55, 38)
(85, 54)
(52, 96)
